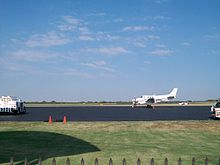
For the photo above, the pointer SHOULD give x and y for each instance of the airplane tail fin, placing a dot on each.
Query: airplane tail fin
(173, 92)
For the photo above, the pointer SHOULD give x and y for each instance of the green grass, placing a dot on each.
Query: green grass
(71, 104)
(68, 104)
(116, 140)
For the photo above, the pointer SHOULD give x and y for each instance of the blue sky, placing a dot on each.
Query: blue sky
(109, 50)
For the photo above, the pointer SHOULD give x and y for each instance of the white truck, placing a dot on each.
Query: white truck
(215, 110)
(9, 104)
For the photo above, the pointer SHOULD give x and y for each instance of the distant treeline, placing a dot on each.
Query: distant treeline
(81, 102)
(110, 102)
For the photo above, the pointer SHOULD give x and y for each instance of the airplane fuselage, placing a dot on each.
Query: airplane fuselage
(151, 99)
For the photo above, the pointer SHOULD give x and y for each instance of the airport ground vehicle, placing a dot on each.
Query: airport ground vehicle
(215, 110)
(9, 104)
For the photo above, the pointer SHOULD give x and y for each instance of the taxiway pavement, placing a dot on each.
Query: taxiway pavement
(112, 113)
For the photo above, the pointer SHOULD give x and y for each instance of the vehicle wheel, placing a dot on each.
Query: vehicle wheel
(18, 111)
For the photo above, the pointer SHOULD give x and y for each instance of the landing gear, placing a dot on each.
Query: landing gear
(144, 106)
(133, 105)
(18, 111)
(149, 106)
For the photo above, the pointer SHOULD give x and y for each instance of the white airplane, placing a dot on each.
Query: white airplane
(151, 99)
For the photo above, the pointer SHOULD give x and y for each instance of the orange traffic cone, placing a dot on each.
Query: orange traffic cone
(50, 120)
(64, 119)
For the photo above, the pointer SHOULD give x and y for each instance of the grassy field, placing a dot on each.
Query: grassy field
(112, 104)
(72, 104)
(118, 140)
(67, 104)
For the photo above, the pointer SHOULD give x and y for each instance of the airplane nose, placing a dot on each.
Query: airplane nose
(134, 101)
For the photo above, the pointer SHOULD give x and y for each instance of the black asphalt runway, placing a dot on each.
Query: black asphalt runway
(112, 113)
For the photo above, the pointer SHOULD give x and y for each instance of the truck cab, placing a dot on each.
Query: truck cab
(11, 105)
(215, 110)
